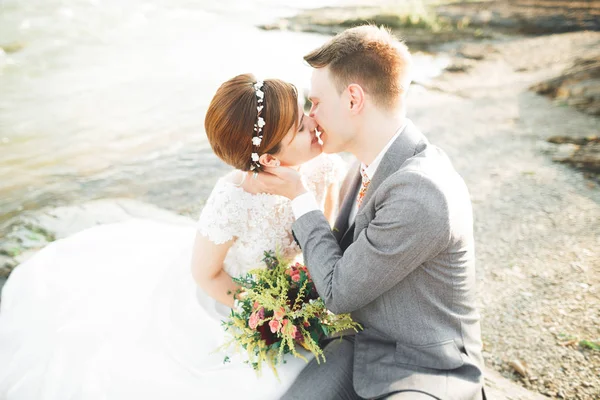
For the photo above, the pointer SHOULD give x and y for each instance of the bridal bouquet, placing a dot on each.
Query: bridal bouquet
(278, 311)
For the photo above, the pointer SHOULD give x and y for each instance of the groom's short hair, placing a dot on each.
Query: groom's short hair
(369, 56)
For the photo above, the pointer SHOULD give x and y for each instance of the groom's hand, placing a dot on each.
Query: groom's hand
(282, 181)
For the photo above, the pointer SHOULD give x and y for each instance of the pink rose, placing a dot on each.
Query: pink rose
(296, 277)
(274, 325)
(253, 321)
(261, 313)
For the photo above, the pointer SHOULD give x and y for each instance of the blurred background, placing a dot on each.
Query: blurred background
(105, 99)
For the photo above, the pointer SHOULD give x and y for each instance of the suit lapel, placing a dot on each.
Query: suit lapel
(341, 222)
(408, 143)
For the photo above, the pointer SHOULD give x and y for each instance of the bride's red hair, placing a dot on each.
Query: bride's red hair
(231, 115)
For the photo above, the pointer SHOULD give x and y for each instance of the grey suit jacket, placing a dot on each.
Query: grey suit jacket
(406, 271)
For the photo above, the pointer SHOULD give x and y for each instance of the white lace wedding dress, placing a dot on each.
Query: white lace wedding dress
(113, 312)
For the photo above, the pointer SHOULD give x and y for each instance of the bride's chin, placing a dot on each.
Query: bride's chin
(313, 154)
(317, 150)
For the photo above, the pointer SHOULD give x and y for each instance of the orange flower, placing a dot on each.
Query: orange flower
(280, 313)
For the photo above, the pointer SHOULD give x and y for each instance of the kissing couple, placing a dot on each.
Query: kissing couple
(134, 309)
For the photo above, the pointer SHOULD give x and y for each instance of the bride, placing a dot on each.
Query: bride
(134, 309)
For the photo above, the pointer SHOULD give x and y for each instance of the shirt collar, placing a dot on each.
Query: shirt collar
(372, 168)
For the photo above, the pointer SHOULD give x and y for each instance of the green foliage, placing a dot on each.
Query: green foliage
(588, 344)
(565, 337)
(13, 251)
(395, 21)
(408, 15)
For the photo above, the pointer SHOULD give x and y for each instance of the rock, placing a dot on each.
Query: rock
(572, 140)
(586, 157)
(63, 221)
(459, 65)
(578, 86)
(419, 30)
(559, 152)
(518, 367)
(581, 152)
(475, 52)
(31, 231)
(6, 265)
(525, 16)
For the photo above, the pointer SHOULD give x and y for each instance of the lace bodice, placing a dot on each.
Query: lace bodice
(261, 222)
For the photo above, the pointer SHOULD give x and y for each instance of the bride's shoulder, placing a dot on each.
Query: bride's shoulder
(226, 188)
(326, 167)
(224, 211)
(229, 182)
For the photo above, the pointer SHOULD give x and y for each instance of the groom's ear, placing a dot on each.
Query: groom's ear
(356, 97)
(268, 160)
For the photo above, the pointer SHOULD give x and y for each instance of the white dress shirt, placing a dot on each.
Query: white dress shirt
(306, 202)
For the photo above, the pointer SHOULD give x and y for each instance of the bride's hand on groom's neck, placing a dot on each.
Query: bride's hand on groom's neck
(282, 181)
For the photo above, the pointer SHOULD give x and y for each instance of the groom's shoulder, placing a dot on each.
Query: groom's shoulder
(429, 170)
(431, 162)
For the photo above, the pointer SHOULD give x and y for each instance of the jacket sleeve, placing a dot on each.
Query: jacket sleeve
(410, 227)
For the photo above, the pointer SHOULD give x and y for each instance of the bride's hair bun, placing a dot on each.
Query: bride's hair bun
(231, 115)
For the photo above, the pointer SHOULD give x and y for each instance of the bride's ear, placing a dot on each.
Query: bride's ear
(268, 160)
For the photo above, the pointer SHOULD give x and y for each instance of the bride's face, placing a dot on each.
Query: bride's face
(296, 150)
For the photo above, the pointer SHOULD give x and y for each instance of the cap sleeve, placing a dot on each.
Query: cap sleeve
(223, 214)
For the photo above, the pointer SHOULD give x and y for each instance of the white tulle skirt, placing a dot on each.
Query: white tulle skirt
(113, 313)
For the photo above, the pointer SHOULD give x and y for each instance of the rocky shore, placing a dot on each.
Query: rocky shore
(427, 24)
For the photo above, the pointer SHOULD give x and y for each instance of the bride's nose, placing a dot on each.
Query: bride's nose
(311, 124)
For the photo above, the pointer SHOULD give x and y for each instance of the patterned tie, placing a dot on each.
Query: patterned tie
(363, 188)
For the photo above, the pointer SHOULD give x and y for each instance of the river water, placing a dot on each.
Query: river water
(106, 98)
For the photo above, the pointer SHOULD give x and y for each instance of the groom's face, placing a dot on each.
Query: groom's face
(330, 112)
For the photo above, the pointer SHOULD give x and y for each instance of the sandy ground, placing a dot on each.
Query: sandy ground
(537, 223)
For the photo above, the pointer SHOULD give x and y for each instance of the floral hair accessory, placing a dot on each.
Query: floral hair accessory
(257, 136)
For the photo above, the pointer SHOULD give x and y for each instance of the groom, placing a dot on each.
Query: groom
(401, 255)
